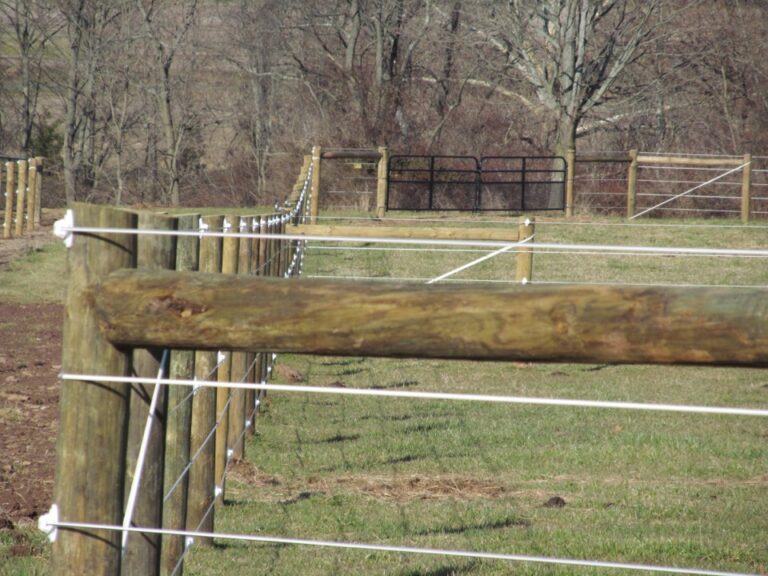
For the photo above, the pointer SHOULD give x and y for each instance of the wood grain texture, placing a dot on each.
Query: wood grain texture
(142, 553)
(497, 234)
(93, 416)
(201, 475)
(179, 420)
(727, 326)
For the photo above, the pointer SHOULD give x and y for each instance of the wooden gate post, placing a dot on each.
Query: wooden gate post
(90, 466)
(381, 183)
(524, 271)
(142, 551)
(570, 166)
(21, 194)
(179, 421)
(9, 193)
(314, 205)
(746, 185)
(201, 474)
(632, 184)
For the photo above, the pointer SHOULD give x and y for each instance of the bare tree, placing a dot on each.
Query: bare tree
(34, 24)
(563, 58)
(361, 60)
(166, 34)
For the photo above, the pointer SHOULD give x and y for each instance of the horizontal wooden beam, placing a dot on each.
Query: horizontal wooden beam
(595, 324)
(351, 154)
(496, 234)
(689, 161)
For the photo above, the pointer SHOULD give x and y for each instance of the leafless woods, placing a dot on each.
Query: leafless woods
(187, 101)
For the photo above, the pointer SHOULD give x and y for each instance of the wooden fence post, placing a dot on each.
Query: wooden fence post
(746, 185)
(201, 475)
(314, 206)
(39, 192)
(9, 194)
(142, 552)
(179, 421)
(524, 271)
(632, 184)
(570, 161)
(90, 466)
(229, 261)
(381, 183)
(32, 194)
(261, 366)
(21, 194)
(240, 363)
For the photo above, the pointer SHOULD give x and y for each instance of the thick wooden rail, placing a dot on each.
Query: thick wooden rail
(495, 234)
(564, 324)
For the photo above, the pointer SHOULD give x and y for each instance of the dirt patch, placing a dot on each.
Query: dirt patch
(30, 352)
(30, 355)
(394, 488)
(416, 487)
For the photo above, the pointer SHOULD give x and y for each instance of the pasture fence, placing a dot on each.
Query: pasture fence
(652, 182)
(23, 195)
(629, 186)
(172, 325)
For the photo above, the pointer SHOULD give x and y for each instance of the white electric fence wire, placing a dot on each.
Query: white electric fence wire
(685, 168)
(192, 460)
(649, 225)
(136, 483)
(375, 392)
(477, 261)
(320, 249)
(391, 249)
(439, 242)
(410, 550)
(710, 181)
(530, 282)
(694, 196)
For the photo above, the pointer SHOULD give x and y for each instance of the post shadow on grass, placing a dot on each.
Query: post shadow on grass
(501, 524)
(469, 567)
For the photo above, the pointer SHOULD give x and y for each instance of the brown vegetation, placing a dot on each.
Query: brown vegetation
(199, 102)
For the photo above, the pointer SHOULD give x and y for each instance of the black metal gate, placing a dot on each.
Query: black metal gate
(466, 183)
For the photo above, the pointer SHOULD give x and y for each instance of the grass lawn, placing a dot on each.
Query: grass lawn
(622, 486)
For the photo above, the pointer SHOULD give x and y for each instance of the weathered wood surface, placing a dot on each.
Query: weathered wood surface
(632, 184)
(229, 263)
(21, 195)
(314, 197)
(381, 182)
(32, 194)
(200, 494)
(727, 326)
(179, 420)
(524, 261)
(142, 553)
(10, 191)
(90, 465)
(746, 187)
(688, 161)
(492, 234)
(239, 371)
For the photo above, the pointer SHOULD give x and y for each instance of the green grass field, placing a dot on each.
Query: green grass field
(621, 486)
(639, 487)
